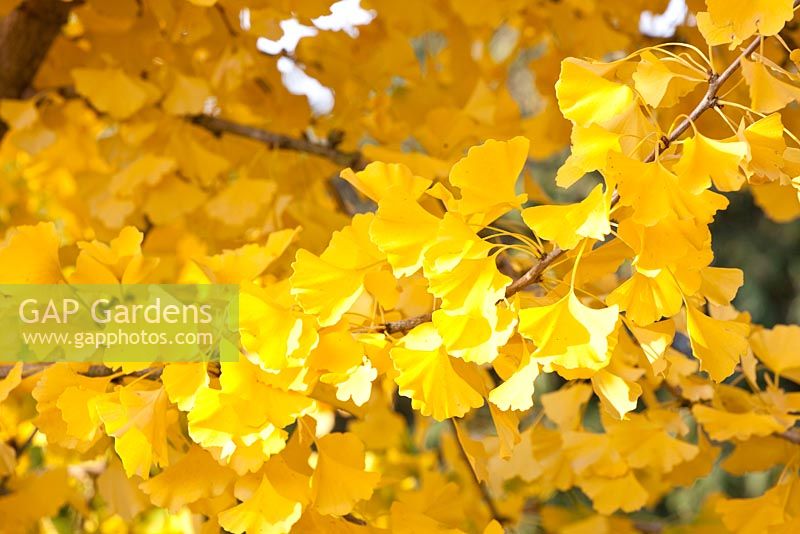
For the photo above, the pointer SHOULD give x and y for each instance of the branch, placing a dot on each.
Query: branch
(219, 126)
(26, 35)
(534, 274)
(715, 81)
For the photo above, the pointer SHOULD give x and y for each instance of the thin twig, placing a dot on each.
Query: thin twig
(218, 126)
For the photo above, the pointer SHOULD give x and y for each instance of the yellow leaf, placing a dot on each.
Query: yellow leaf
(182, 381)
(704, 159)
(586, 98)
(266, 510)
(654, 341)
(329, 284)
(487, 178)
(654, 193)
(475, 337)
(474, 451)
(608, 495)
(438, 385)
(339, 480)
(33, 497)
(618, 396)
(378, 178)
(137, 418)
(777, 348)
(196, 475)
(275, 333)
(646, 443)
(11, 380)
(760, 514)
(113, 91)
(247, 262)
(722, 425)
(516, 392)
(570, 336)
(663, 81)
(187, 95)
(403, 230)
(566, 225)
(119, 492)
(766, 148)
(590, 148)
(29, 255)
(121, 261)
(779, 202)
(564, 406)
(145, 171)
(768, 93)
(646, 297)
(733, 21)
(720, 284)
(718, 344)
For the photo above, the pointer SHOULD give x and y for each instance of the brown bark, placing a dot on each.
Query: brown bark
(26, 35)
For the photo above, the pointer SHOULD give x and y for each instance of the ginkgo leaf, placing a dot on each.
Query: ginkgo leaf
(487, 178)
(516, 392)
(340, 480)
(618, 396)
(647, 444)
(723, 425)
(471, 286)
(114, 91)
(137, 418)
(777, 348)
(608, 495)
(378, 178)
(654, 193)
(646, 297)
(779, 202)
(704, 160)
(564, 406)
(35, 496)
(718, 344)
(187, 95)
(475, 452)
(721, 284)
(195, 476)
(275, 334)
(585, 97)
(120, 261)
(329, 284)
(566, 225)
(734, 21)
(182, 381)
(766, 146)
(589, 152)
(766, 513)
(475, 337)
(10, 381)
(663, 81)
(654, 340)
(569, 335)
(120, 493)
(247, 262)
(266, 510)
(768, 92)
(29, 255)
(403, 230)
(438, 385)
